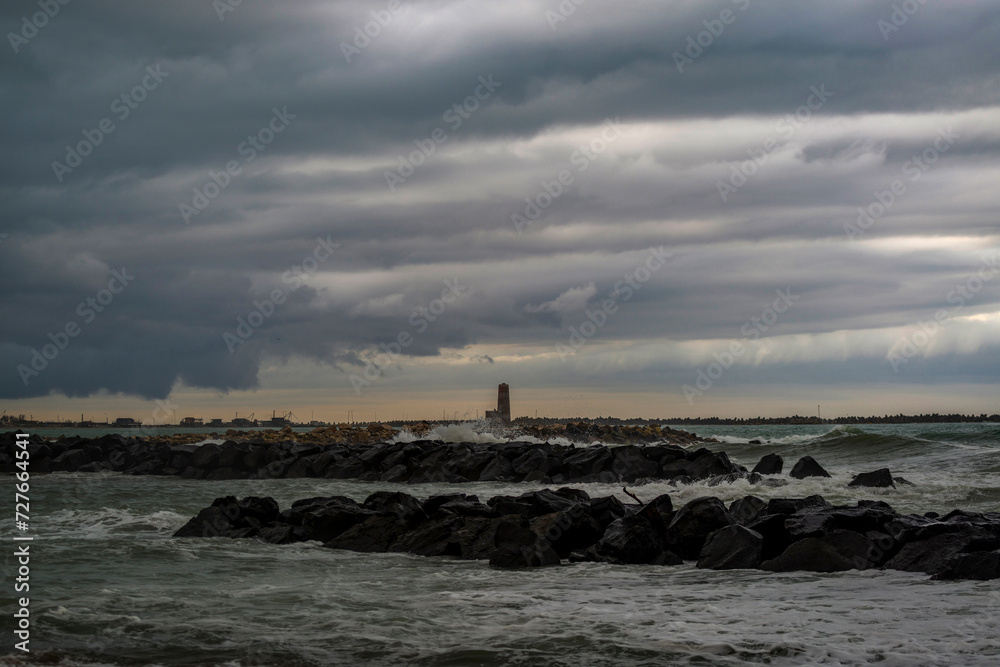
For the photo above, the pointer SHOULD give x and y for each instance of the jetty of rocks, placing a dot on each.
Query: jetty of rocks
(550, 527)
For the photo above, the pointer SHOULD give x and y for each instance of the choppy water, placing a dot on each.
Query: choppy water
(109, 586)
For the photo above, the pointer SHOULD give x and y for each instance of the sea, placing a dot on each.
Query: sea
(108, 585)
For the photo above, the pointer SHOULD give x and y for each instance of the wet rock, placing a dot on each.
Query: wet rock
(853, 546)
(631, 464)
(819, 521)
(403, 505)
(632, 540)
(569, 530)
(434, 537)
(376, 534)
(606, 510)
(517, 547)
(935, 553)
(981, 566)
(281, 534)
(880, 478)
(476, 538)
(206, 456)
(769, 464)
(333, 518)
(731, 548)
(793, 505)
(227, 517)
(807, 467)
(809, 555)
(775, 534)
(70, 460)
(743, 510)
(659, 511)
(693, 523)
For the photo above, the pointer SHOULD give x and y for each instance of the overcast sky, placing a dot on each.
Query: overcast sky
(631, 208)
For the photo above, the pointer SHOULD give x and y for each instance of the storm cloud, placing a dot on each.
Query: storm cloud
(299, 188)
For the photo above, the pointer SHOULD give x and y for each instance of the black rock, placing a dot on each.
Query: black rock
(769, 464)
(807, 467)
(793, 505)
(206, 456)
(376, 534)
(731, 548)
(743, 510)
(819, 521)
(853, 546)
(880, 478)
(476, 538)
(809, 555)
(606, 510)
(517, 546)
(434, 537)
(403, 505)
(934, 554)
(693, 523)
(632, 540)
(630, 464)
(776, 538)
(333, 518)
(979, 566)
(281, 534)
(569, 530)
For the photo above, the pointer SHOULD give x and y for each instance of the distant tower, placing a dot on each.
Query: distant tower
(502, 413)
(503, 401)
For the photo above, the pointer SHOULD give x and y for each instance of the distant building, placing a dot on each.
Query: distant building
(215, 422)
(243, 421)
(502, 413)
(191, 421)
(125, 421)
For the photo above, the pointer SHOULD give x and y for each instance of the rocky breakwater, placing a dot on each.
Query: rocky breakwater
(587, 432)
(405, 462)
(566, 525)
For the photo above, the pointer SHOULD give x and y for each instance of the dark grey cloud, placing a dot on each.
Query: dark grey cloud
(323, 177)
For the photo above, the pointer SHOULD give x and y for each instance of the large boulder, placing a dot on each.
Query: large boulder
(743, 510)
(630, 464)
(731, 548)
(206, 456)
(606, 510)
(333, 518)
(693, 523)
(568, 530)
(769, 464)
(982, 566)
(517, 546)
(935, 553)
(807, 467)
(809, 555)
(403, 505)
(376, 534)
(228, 517)
(632, 540)
(881, 478)
(818, 521)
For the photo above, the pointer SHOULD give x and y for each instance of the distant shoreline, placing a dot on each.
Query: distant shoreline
(529, 421)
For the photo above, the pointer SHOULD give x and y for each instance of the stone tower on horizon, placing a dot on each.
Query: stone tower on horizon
(502, 413)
